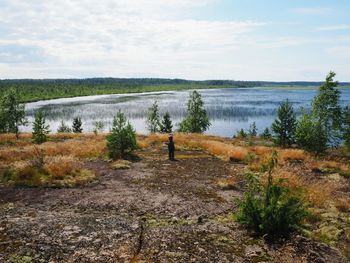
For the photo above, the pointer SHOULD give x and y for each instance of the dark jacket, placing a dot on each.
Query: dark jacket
(171, 145)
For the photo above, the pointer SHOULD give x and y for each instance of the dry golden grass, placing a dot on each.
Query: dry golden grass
(315, 193)
(292, 154)
(60, 166)
(343, 204)
(262, 150)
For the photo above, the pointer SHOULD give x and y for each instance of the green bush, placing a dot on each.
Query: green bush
(98, 127)
(64, 128)
(7, 175)
(122, 139)
(27, 177)
(270, 209)
(310, 134)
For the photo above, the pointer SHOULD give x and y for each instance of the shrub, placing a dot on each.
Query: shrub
(284, 125)
(7, 175)
(77, 125)
(40, 129)
(98, 127)
(310, 134)
(64, 128)
(270, 209)
(122, 138)
(197, 120)
(26, 176)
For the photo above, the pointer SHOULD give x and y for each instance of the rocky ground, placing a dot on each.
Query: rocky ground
(156, 211)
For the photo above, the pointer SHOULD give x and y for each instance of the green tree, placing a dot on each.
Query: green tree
(122, 138)
(166, 125)
(241, 134)
(12, 113)
(346, 127)
(266, 134)
(77, 125)
(197, 120)
(253, 132)
(40, 129)
(326, 109)
(310, 134)
(98, 127)
(153, 119)
(284, 126)
(63, 128)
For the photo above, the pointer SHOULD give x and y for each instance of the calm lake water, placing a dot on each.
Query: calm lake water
(229, 109)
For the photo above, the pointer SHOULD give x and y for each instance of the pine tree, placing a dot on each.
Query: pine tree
(197, 120)
(326, 109)
(253, 130)
(166, 125)
(346, 127)
(77, 125)
(284, 125)
(122, 138)
(40, 129)
(241, 134)
(310, 134)
(64, 128)
(12, 113)
(153, 119)
(266, 134)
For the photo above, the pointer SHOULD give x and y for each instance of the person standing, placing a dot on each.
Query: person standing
(171, 147)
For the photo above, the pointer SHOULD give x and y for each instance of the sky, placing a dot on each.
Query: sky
(269, 40)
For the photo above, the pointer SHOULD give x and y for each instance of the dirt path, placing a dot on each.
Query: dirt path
(157, 211)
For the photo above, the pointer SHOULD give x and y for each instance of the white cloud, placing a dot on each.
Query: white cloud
(117, 38)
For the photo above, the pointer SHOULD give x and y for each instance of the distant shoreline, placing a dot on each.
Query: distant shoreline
(33, 90)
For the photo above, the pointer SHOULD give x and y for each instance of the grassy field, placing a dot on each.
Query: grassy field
(69, 189)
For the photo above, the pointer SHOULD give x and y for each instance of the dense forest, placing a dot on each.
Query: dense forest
(38, 89)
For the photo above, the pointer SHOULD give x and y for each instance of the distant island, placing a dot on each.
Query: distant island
(43, 89)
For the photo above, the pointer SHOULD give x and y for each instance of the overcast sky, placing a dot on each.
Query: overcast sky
(191, 39)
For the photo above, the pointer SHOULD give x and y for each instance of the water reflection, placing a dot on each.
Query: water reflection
(229, 109)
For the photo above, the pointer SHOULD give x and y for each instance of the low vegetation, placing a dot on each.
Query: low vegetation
(271, 209)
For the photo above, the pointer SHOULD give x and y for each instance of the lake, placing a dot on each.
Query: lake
(229, 109)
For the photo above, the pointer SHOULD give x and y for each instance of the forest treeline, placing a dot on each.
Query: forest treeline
(42, 89)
